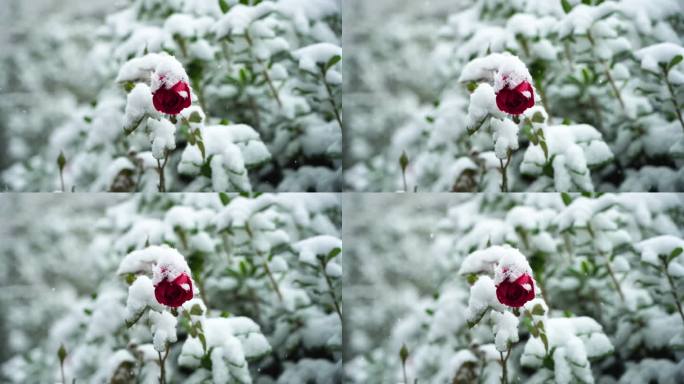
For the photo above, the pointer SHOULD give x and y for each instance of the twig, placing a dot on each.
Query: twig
(331, 291)
(502, 169)
(162, 363)
(331, 99)
(674, 98)
(503, 362)
(615, 281)
(606, 71)
(264, 72)
(273, 281)
(160, 170)
(673, 291)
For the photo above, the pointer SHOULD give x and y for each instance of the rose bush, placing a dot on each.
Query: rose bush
(265, 271)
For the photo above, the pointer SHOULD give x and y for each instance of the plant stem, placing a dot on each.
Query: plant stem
(403, 368)
(264, 72)
(61, 179)
(502, 169)
(331, 98)
(403, 177)
(273, 281)
(615, 281)
(331, 291)
(504, 368)
(160, 170)
(674, 99)
(61, 368)
(162, 363)
(674, 290)
(606, 71)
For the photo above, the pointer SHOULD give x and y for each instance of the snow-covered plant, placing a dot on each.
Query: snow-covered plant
(229, 96)
(605, 77)
(553, 287)
(190, 288)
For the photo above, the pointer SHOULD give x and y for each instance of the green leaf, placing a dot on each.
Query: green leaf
(403, 161)
(130, 278)
(333, 60)
(225, 199)
(544, 340)
(203, 340)
(225, 7)
(403, 353)
(538, 117)
(429, 311)
(430, 119)
(128, 86)
(586, 2)
(675, 60)
(200, 145)
(538, 310)
(676, 252)
(472, 86)
(61, 161)
(567, 199)
(195, 117)
(544, 148)
(566, 6)
(472, 278)
(88, 119)
(61, 353)
(196, 310)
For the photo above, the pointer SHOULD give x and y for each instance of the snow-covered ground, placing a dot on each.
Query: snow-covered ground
(421, 271)
(260, 278)
(607, 81)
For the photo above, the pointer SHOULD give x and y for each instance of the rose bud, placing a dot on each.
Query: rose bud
(516, 293)
(174, 293)
(172, 100)
(515, 101)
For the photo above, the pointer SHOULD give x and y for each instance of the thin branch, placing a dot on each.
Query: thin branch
(673, 290)
(273, 281)
(160, 170)
(264, 72)
(331, 291)
(674, 98)
(331, 98)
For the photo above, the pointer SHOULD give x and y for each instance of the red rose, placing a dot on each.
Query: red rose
(172, 101)
(174, 293)
(517, 293)
(515, 101)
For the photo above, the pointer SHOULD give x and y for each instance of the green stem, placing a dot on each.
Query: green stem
(273, 281)
(673, 98)
(61, 368)
(264, 72)
(331, 290)
(162, 365)
(331, 98)
(606, 71)
(673, 291)
(504, 174)
(160, 170)
(504, 365)
(403, 368)
(615, 280)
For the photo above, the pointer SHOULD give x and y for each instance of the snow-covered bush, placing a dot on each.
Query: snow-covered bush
(606, 77)
(214, 288)
(264, 80)
(598, 297)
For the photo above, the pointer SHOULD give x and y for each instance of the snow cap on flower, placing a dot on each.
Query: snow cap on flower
(485, 260)
(511, 266)
(499, 69)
